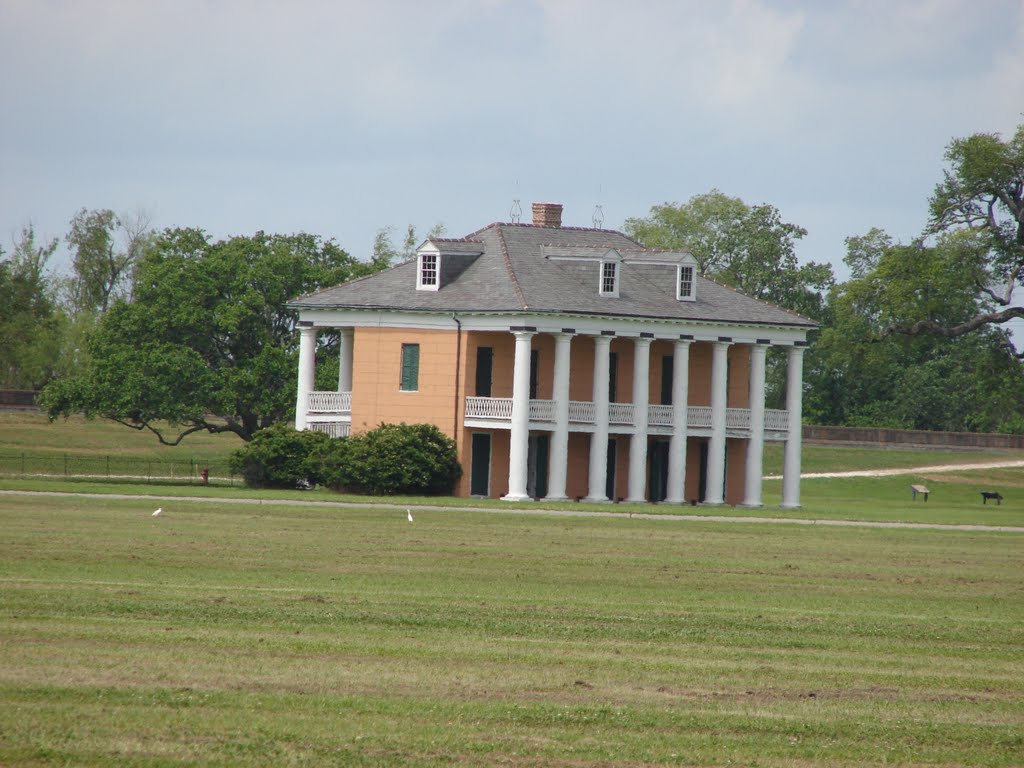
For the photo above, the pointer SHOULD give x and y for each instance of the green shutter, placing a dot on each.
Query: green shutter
(410, 367)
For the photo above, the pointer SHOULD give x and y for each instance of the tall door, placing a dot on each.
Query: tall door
(659, 470)
(480, 473)
(609, 483)
(484, 366)
(537, 466)
(703, 489)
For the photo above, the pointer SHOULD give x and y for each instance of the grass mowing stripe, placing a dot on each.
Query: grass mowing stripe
(245, 636)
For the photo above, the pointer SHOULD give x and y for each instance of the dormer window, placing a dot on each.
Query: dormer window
(428, 272)
(686, 285)
(609, 278)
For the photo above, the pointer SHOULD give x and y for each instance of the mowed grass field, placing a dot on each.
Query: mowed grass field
(251, 634)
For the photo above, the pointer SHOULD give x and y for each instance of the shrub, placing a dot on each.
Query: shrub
(278, 457)
(391, 459)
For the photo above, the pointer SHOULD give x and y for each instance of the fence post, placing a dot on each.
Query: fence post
(22, 465)
(65, 465)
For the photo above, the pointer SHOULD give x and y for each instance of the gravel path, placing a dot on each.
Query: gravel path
(908, 470)
(524, 511)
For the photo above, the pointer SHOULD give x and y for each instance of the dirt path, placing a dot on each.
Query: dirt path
(908, 470)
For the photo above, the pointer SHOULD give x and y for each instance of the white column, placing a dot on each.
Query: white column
(755, 448)
(638, 441)
(345, 359)
(519, 440)
(715, 493)
(307, 374)
(794, 408)
(675, 493)
(559, 453)
(598, 475)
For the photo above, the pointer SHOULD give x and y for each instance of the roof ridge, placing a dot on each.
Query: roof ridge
(522, 225)
(511, 271)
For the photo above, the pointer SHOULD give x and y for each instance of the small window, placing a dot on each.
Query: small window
(685, 285)
(410, 381)
(427, 276)
(609, 278)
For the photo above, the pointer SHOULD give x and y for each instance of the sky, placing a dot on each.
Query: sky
(340, 117)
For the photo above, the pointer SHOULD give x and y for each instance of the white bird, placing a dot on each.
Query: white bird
(158, 511)
(408, 512)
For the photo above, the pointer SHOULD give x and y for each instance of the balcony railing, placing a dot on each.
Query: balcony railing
(498, 411)
(330, 402)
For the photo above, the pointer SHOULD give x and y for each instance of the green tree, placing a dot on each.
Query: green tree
(859, 375)
(979, 206)
(748, 247)
(106, 248)
(386, 252)
(30, 322)
(207, 344)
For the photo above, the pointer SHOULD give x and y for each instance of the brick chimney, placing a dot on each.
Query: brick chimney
(547, 214)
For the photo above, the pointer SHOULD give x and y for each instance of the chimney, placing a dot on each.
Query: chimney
(547, 214)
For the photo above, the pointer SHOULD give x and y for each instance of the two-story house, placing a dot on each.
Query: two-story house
(564, 362)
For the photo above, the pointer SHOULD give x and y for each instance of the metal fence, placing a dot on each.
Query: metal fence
(117, 468)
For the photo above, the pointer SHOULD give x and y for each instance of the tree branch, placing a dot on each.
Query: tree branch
(930, 326)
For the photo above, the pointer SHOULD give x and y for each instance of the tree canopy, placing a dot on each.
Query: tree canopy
(30, 321)
(977, 212)
(748, 247)
(206, 344)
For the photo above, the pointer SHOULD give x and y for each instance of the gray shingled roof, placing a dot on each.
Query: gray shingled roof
(513, 274)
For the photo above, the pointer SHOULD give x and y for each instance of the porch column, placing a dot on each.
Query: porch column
(559, 456)
(755, 449)
(719, 403)
(794, 413)
(307, 374)
(641, 397)
(676, 491)
(598, 475)
(345, 359)
(519, 439)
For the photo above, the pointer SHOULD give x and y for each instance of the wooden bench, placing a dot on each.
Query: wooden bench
(916, 489)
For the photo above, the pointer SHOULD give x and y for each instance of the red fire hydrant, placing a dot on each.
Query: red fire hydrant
(206, 475)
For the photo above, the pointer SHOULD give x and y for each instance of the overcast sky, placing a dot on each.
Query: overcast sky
(339, 118)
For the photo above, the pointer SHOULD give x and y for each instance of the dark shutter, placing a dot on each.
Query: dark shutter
(410, 367)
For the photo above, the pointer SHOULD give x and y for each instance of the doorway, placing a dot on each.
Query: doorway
(480, 473)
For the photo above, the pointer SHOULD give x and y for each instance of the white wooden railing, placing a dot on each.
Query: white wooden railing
(330, 428)
(329, 402)
(499, 409)
(620, 413)
(698, 417)
(581, 412)
(542, 410)
(659, 415)
(776, 421)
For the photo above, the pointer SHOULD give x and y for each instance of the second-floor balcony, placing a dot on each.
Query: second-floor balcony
(496, 412)
(332, 412)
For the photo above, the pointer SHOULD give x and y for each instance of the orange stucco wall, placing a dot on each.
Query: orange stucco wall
(447, 374)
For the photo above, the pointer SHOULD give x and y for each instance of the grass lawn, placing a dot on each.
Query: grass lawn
(233, 634)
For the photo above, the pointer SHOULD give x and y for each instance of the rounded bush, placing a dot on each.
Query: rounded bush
(415, 459)
(278, 457)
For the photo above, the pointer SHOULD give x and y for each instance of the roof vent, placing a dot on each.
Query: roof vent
(547, 214)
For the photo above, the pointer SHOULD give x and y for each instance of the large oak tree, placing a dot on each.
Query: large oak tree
(206, 344)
